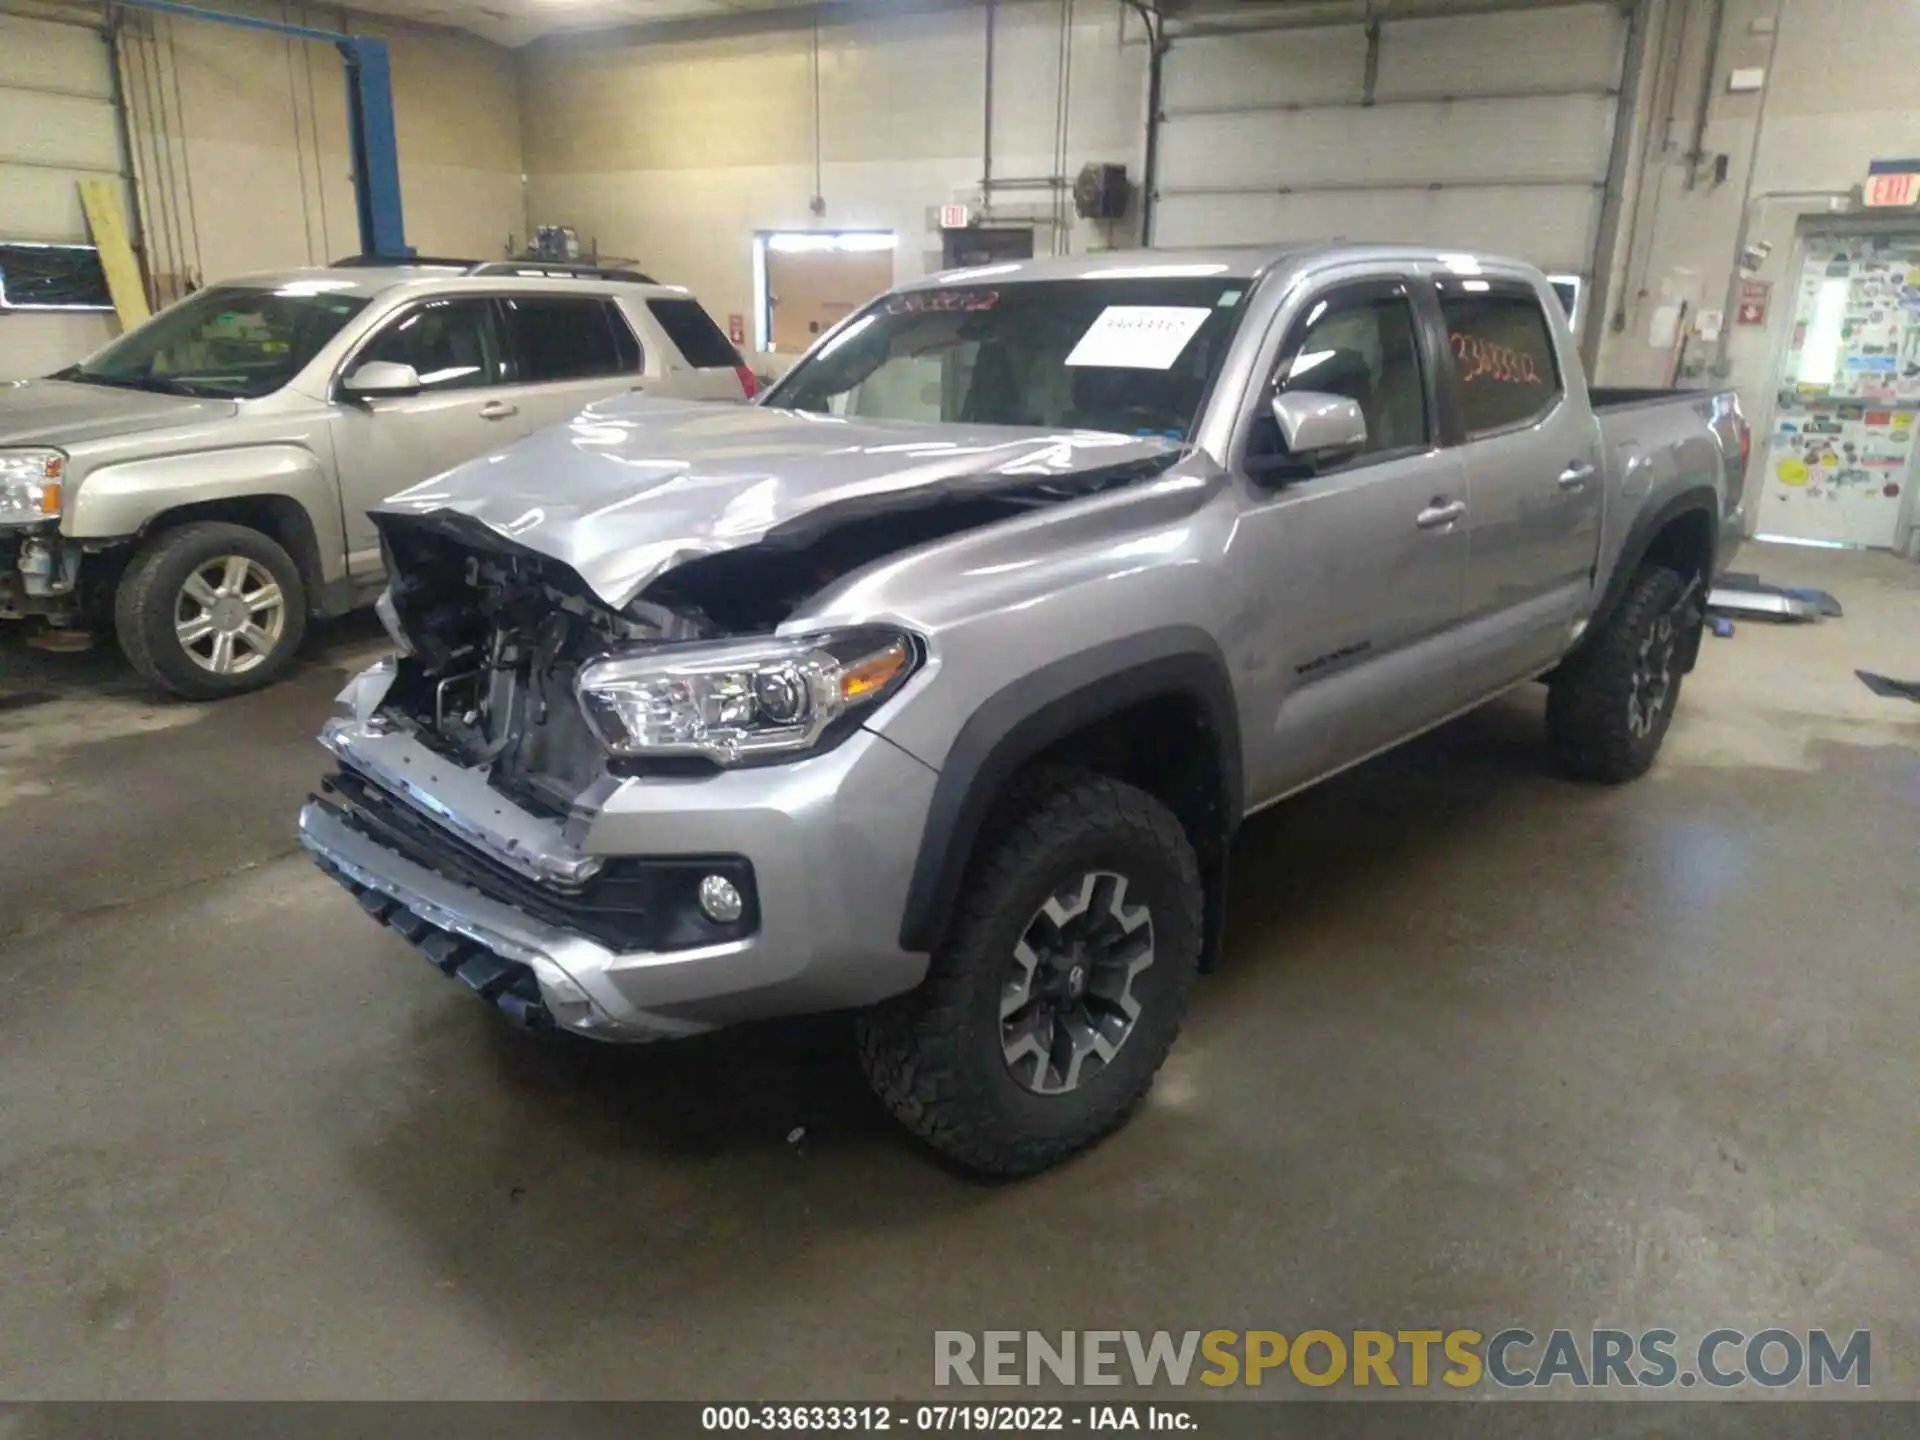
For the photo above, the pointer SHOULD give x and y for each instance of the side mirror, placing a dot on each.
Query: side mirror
(380, 378)
(1317, 426)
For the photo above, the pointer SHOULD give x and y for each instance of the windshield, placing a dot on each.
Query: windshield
(1134, 356)
(231, 341)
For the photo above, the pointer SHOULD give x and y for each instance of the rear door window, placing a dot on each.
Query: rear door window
(566, 337)
(1503, 356)
(693, 333)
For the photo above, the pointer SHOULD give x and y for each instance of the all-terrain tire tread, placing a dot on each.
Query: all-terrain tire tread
(914, 1048)
(1587, 700)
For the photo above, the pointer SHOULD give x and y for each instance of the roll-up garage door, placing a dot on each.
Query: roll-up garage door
(57, 127)
(1486, 131)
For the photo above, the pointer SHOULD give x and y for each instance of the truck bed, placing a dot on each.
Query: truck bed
(1604, 398)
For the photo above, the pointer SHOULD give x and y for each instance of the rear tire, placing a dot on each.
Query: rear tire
(210, 610)
(1608, 708)
(1060, 986)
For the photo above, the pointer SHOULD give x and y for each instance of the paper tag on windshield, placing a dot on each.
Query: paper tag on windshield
(1139, 337)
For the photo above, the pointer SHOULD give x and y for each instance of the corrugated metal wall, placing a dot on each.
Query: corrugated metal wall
(1490, 131)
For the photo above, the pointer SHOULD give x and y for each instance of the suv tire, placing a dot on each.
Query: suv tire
(210, 610)
(1085, 876)
(1608, 708)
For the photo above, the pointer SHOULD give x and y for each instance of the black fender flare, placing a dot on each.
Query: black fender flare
(1021, 721)
(1640, 537)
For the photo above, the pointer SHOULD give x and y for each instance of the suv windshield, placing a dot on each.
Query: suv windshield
(1130, 355)
(231, 341)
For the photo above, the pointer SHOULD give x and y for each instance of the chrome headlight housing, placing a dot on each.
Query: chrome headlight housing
(732, 703)
(30, 485)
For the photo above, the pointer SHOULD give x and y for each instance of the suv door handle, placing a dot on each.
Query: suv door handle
(1576, 475)
(1440, 512)
(498, 410)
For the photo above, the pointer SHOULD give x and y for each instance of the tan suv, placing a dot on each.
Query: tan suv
(202, 483)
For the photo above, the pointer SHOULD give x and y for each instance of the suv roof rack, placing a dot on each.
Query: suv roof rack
(531, 269)
(383, 262)
(560, 270)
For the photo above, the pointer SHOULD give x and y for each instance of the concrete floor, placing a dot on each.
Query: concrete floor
(1488, 1047)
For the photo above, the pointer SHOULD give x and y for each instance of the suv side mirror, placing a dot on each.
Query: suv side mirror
(378, 378)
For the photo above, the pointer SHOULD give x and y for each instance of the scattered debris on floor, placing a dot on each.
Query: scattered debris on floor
(1890, 688)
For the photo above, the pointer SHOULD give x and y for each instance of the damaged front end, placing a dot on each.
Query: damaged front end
(560, 652)
(508, 665)
(491, 639)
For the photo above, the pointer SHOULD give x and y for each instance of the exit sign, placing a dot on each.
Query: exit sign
(1884, 189)
(954, 217)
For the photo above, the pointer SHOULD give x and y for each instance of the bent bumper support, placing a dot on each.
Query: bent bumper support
(524, 968)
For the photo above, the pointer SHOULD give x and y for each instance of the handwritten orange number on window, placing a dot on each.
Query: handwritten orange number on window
(1482, 360)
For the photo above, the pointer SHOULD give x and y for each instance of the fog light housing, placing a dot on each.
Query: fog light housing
(721, 900)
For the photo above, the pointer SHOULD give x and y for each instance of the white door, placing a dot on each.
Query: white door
(1839, 455)
(1486, 132)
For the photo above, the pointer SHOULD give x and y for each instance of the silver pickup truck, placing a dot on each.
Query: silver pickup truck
(201, 484)
(937, 684)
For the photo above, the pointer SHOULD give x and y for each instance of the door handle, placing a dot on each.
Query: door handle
(1440, 513)
(498, 410)
(1576, 475)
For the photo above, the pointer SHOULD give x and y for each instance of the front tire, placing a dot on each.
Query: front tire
(1060, 987)
(1609, 707)
(210, 610)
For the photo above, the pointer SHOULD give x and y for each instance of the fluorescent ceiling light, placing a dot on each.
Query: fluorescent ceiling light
(297, 288)
(979, 272)
(1811, 544)
(1154, 272)
(1820, 357)
(802, 241)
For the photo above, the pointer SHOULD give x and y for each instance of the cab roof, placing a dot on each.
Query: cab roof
(1228, 262)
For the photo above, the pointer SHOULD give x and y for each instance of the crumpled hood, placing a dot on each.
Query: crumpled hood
(633, 488)
(64, 412)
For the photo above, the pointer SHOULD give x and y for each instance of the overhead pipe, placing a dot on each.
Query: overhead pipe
(1697, 146)
(986, 138)
(1613, 199)
(1150, 166)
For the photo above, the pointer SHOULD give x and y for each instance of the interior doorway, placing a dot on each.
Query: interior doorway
(810, 280)
(1839, 461)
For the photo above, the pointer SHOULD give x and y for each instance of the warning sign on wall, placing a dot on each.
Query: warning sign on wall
(737, 329)
(1752, 306)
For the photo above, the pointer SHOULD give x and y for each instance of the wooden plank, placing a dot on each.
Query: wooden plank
(101, 199)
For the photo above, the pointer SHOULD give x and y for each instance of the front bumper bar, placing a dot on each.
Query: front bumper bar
(828, 843)
(504, 956)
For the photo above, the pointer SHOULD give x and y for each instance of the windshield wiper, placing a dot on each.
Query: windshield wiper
(187, 388)
(155, 384)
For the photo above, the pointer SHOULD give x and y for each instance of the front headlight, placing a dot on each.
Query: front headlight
(30, 485)
(741, 701)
